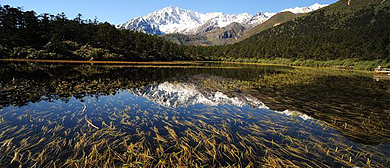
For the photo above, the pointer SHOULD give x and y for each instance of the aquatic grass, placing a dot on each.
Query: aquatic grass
(139, 134)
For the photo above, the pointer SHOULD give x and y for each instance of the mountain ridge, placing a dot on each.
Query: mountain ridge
(170, 20)
(356, 30)
(274, 21)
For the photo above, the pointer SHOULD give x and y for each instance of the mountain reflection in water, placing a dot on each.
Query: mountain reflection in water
(184, 94)
(82, 115)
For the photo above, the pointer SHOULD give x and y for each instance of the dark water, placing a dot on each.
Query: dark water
(192, 115)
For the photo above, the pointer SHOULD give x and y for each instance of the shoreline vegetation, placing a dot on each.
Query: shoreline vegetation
(357, 38)
(353, 64)
(100, 62)
(350, 127)
(348, 64)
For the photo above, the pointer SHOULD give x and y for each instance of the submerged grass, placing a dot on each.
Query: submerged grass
(119, 130)
(149, 138)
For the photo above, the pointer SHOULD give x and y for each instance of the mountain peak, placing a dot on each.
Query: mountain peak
(173, 19)
(171, 9)
(259, 13)
(305, 9)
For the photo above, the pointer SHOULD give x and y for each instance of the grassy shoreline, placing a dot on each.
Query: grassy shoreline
(349, 64)
(340, 64)
(98, 62)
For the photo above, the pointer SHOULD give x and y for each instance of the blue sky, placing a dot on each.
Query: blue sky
(119, 11)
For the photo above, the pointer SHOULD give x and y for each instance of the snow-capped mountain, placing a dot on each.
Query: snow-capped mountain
(176, 20)
(260, 18)
(305, 9)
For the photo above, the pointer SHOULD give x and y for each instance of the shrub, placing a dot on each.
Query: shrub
(63, 50)
(87, 52)
(4, 52)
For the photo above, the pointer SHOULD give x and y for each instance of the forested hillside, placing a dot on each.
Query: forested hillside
(358, 29)
(274, 21)
(24, 34)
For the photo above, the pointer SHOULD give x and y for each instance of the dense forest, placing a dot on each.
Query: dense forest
(24, 34)
(357, 30)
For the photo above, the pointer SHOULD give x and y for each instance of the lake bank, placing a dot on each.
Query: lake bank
(335, 64)
(98, 62)
(369, 65)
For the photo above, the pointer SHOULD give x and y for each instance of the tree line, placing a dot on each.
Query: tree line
(24, 34)
(326, 34)
(362, 34)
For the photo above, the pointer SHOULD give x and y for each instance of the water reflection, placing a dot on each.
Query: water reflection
(184, 94)
(78, 116)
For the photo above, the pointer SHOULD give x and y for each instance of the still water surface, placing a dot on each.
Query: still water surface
(204, 115)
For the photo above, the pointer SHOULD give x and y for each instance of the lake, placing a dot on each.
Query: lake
(198, 114)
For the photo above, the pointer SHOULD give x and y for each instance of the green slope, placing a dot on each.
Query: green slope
(275, 20)
(358, 31)
(182, 39)
(218, 36)
(213, 37)
(346, 6)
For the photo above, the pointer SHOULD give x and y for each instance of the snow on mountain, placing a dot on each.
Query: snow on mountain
(305, 9)
(174, 95)
(260, 18)
(176, 20)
